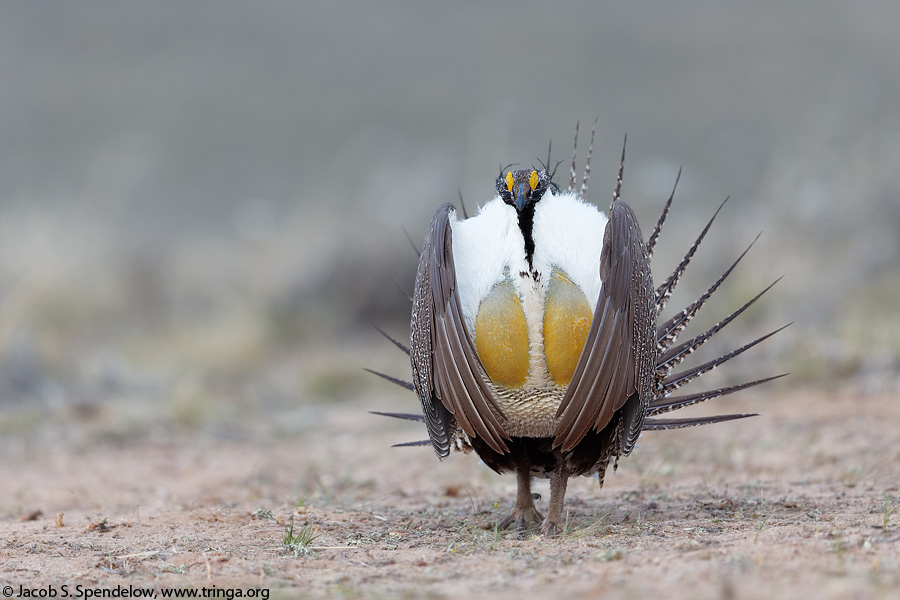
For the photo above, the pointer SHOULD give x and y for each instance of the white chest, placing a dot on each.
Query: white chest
(529, 322)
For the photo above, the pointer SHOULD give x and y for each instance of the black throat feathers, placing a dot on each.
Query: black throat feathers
(526, 224)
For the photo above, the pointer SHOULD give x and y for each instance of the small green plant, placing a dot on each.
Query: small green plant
(889, 507)
(762, 515)
(473, 500)
(495, 543)
(299, 543)
(590, 530)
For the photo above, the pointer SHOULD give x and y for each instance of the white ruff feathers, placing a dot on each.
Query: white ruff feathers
(489, 247)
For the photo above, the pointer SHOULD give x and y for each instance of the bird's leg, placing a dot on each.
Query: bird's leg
(524, 511)
(553, 524)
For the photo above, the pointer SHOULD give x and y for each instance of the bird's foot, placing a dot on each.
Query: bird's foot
(551, 527)
(521, 518)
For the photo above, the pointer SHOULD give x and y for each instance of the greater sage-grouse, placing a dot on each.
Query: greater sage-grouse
(534, 338)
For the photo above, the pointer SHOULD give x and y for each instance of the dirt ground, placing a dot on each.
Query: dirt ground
(802, 501)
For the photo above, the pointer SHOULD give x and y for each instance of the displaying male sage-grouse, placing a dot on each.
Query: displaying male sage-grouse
(534, 336)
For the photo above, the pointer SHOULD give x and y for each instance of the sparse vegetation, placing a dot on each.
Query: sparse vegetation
(495, 541)
(299, 543)
(263, 513)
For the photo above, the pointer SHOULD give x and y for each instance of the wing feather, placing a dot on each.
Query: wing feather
(447, 372)
(615, 362)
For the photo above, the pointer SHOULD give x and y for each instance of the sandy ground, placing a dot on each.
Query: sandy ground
(802, 501)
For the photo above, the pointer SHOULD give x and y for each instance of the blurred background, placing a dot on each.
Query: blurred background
(202, 204)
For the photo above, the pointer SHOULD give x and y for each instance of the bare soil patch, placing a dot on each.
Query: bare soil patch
(802, 501)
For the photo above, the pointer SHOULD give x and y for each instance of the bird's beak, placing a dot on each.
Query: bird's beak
(520, 198)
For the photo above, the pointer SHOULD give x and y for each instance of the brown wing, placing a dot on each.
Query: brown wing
(446, 369)
(615, 362)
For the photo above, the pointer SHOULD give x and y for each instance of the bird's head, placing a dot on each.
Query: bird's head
(522, 187)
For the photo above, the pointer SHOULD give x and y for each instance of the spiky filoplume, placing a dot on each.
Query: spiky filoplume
(622, 382)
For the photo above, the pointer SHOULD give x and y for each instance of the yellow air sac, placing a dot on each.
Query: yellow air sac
(567, 319)
(501, 336)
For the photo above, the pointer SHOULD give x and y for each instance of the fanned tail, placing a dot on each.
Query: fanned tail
(670, 355)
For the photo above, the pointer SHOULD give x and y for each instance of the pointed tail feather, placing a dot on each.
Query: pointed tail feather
(684, 377)
(660, 424)
(400, 289)
(667, 404)
(397, 343)
(673, 356)
(587, 164)
(668, 332)
(404, 384)
(462, 205)
(574, 156)
(617, 193)
(546, 167)
(651, 244)
(405, 416)
(664, 291)
(411, 242)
